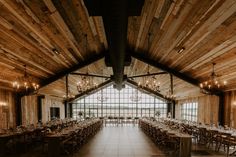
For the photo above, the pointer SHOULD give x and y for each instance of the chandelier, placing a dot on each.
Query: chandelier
(102, 98)
(85, 83)
(169, 95)
(149, 81)
(135, 97)
(213, 85)
(69, 96)
(25, 83)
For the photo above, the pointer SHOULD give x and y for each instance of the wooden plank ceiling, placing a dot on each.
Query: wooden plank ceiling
(31, 30)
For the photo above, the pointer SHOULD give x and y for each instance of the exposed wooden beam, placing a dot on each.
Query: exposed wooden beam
(92, 90)
(92, 75)
(142, 57)
(145, 89)
(72, 69)
(151, 74)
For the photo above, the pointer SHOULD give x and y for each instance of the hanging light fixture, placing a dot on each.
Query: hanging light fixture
(150, 82)
(170, 95)
(25, 83)
(135, 97)
(86, 82)
(68, 95)
(213, 85)
(102, 97)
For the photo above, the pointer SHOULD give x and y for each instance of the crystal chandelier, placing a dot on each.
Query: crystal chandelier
(25, 83)
(212, 85)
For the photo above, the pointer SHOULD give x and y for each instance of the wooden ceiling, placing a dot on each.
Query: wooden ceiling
(31, 30)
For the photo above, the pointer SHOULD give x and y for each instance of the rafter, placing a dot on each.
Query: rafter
(72, 69)
(61, 74)
(144, 58)
(145, 89)
(147, 60)
(149, 74)
(93, 90)
(92, 75)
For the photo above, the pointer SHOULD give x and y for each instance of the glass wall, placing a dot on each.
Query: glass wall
(128, 102)
(189, 111)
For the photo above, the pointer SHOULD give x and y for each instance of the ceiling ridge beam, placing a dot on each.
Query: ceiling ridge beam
(92, 90)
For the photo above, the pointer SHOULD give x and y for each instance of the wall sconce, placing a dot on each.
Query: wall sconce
(234, 103)
(3, 104)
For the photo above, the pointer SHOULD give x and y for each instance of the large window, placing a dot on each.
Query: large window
(128, 102)
(189, 111)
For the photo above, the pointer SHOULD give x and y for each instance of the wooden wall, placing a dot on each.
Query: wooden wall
(29, 110)
(7, 109)
(48, 102)
(29, 106)
(208, 108)
(230, 108)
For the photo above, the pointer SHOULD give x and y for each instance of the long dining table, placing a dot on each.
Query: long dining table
(184, 140)
(56, 140)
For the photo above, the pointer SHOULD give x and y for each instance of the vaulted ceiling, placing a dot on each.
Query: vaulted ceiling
(31, 31)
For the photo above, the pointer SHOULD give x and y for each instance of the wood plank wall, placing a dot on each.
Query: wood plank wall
(208, 108)
(230, 108)
(48, 102)
(29, 108)
(7, 109)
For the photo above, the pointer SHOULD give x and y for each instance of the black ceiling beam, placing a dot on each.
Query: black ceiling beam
(145, 89)
(92, 90)
(92, 75)
(150, 74)
(115, 15)
(142, 57)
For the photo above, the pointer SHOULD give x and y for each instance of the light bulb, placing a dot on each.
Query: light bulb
(201, 85)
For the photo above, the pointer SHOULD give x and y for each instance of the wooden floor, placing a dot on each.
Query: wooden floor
(126, 141)
(129, 141)
(123, 141)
